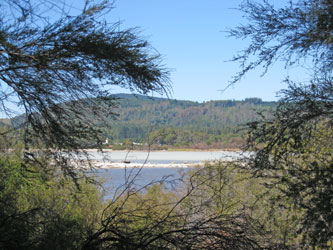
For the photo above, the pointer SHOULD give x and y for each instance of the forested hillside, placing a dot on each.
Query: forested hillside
(183, 123)
(164, 123)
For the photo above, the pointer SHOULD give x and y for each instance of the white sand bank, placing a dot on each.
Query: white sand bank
(147, 165)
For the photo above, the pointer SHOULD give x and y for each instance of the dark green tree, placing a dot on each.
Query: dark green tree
(58, 65)
(60, 70)
(298, 32)
(293, 150)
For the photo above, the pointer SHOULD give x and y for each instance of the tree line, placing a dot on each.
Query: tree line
(178, 123)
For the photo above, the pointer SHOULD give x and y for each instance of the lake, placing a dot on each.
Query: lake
(143, 168)
(117, 178)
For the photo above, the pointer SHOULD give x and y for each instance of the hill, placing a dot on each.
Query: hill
(167, 123)
(183, 123)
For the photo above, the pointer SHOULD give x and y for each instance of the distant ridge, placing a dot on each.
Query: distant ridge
(183, 122)
(145, 97)
(137, 96)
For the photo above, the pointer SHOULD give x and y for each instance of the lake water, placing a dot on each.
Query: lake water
(143, 168)
(115, 179)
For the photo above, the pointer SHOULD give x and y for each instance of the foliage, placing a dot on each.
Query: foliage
(295, 153)
(203, 212)
(229, 190)
(294, 149)
(301, 30)
(216, 207)
(45, 65)
(184, 123)
(58, 64)
(41, 208)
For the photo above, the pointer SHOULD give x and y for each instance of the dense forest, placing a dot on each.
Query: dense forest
(184, 123)
(138, 120)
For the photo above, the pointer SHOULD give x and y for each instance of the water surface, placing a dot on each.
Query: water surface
(144, 168)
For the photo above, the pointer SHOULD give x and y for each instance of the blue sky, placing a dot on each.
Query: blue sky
(190, 35)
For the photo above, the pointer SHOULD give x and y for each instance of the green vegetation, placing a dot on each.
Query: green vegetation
(219, 205)
(174, 123)
(41, 208)
(163, 124)
(294, 148)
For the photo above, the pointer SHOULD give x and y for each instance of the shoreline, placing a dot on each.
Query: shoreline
(157, 159)
(164, 150)
(121, 165)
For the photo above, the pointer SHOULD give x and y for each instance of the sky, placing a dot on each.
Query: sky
(192, 39)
